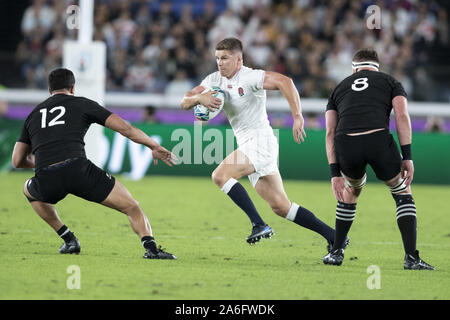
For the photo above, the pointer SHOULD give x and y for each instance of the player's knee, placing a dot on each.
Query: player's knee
(279, 211)
(356, 185)
(280, 207)
(398, 186)
(219, 178)
(131, 207)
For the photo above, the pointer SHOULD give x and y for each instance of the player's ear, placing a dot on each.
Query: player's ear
(240, 57)
(72, 89)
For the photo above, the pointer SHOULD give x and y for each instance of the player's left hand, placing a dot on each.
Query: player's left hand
(407, 171)
(298, 129)
(165, 155)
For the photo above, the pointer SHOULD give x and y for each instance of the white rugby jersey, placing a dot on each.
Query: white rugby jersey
(245, 101)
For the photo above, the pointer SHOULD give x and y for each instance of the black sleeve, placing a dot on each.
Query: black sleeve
(96, 113)
(24, 135)
(397, 89)
(331, 105)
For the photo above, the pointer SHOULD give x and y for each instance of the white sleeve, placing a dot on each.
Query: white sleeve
(256, 79)
(206, 83)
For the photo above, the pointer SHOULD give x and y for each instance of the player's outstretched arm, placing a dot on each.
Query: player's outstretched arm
(337, 181)
(277, 81)
(403, 124)
(22, 156)
(116, 123)
(195, 96)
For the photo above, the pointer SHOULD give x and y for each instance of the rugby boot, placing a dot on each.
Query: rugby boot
(259, 232)
(159, 254)
(413, 262)
(335, 257)
(72, 246)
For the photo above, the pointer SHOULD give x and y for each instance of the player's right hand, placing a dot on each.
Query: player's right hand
(407, 171)
(165, 155)
(338, 186)
(208, 100)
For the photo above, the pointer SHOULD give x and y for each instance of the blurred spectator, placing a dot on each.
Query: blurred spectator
(434, 124)
(152, 50)
(38, 15)
(180, 85)
(3, 104)
(311, 41)
(442, 27)
(312, 121)
(228, 24)
(139, 76)
(150, 114)
(277, 119)
(184, 62)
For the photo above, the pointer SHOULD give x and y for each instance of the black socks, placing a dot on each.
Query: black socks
(149, 243)
(65, 234)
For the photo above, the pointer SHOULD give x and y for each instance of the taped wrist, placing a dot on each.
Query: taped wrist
(406, 152)
(335, 170)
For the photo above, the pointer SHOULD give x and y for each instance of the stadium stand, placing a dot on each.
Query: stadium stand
(149, 41)
(164, 47)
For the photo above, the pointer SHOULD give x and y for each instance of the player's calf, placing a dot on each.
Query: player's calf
(305, 218)
(407, 223)
(240, 197)
(406, 220)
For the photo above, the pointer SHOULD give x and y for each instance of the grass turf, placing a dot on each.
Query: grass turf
(194, 220)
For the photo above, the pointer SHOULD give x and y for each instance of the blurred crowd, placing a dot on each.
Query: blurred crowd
(168, 46)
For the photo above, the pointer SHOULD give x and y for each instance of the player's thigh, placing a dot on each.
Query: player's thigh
(235, 165)
(350, 156)
(87, 181)
(384, 156)
(25, 189)
(119, 198)
(46, 187)
(271, 189)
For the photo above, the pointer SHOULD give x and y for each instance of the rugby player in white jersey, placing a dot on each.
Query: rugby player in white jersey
(257, 153)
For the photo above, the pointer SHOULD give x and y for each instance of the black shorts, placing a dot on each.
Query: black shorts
(77, 176)
(377, 149)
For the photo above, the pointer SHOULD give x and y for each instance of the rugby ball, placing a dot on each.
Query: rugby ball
(203, 113)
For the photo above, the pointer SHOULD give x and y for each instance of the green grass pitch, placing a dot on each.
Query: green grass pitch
(194, 220)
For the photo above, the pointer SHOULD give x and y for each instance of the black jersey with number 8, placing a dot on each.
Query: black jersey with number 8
(363, 101)
(55, 129)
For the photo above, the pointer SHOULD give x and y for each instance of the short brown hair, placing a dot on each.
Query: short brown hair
(366, 54)
(230, 44)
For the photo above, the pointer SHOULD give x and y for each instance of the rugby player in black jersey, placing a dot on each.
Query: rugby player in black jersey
(52, 142)
(357, 135)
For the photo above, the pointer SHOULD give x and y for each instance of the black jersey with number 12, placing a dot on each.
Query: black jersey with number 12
(363, 101)
(55, 128)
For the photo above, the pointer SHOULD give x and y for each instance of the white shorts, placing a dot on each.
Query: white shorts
(262, 151)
